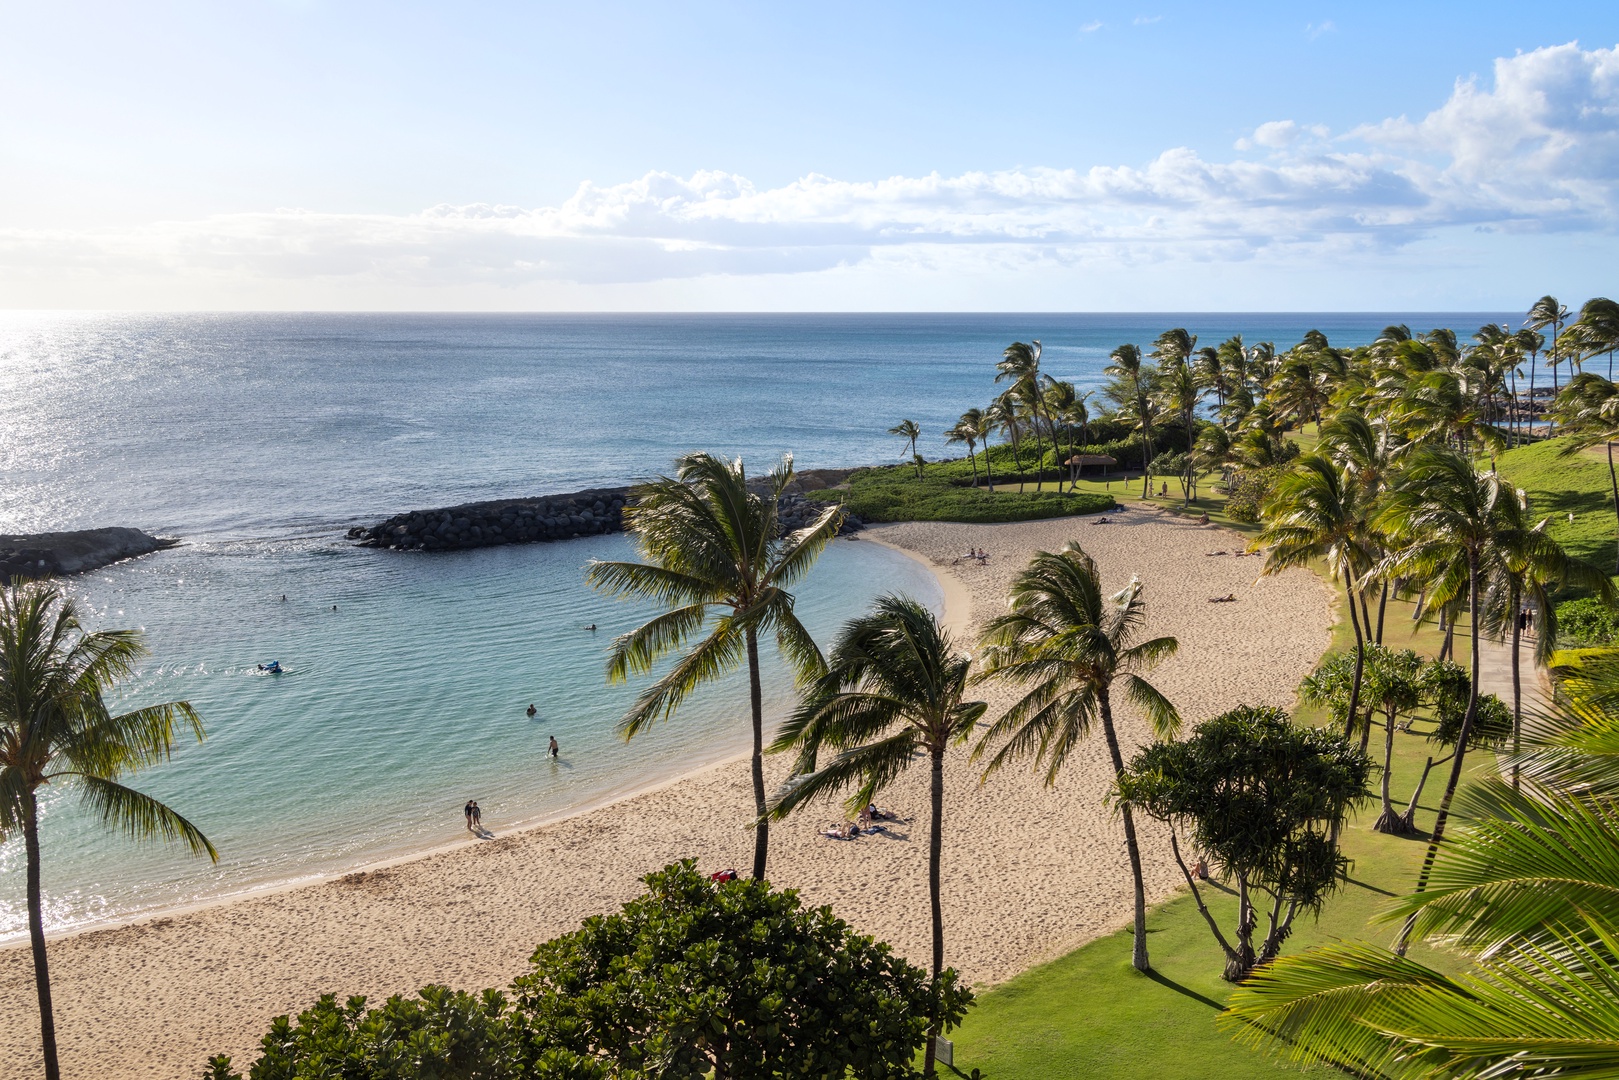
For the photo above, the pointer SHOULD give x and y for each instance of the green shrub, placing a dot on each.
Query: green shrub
(1249, 491)
(1586, 622)
(894, 493)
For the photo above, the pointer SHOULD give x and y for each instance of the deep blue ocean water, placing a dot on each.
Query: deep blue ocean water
(260, 439)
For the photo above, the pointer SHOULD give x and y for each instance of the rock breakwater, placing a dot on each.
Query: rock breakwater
(39, 555)
(526, 521)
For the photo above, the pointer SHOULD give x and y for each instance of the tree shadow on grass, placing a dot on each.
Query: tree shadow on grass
(1163, 980)
(1369, 887)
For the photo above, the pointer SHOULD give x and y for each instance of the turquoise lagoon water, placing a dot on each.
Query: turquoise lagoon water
(260, 439)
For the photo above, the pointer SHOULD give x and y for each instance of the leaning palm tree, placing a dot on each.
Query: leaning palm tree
(1130, 387)
(907, 429)
(891, 695)
(56, 728)
(1443, 516)
(966, 431)
(985, 422)
(1020, 362)
(716, 562)
(1318, 511)
(1066, 644)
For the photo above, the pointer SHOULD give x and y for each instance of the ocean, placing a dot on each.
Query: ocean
(259, 439)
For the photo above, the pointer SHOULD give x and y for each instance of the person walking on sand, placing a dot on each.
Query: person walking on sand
(554, 747)
(468, 811)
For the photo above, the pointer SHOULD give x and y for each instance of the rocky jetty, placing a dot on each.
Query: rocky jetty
(500, 521)
(524, 521)
(38, 555)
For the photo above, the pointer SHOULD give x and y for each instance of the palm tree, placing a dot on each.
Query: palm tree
(1130, 388)
(1317, 512)
(891, 695)
(1445, 513)
(907, 429)
(715, 561)
(1179, 395)
(1529, 341)
(56, 728)
(1367, 451)
(965, 430)
(1548, 312)
(1598, 328)
(1065, 644)
(1003, 413)
(1021, 363)
(986, 423)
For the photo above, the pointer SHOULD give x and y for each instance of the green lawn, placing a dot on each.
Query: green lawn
(1559, 485)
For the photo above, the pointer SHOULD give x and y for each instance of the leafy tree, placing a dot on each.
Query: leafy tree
(1393, 683)
(892, 695)
(715, 561)
(1066, 644)
(1264, 800)
(1587, 621)
(736, 981)
(56, 728)
(1588, 411)
(441, 1034)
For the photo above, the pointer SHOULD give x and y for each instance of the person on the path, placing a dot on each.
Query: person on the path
(554, 747)
(532, 710)
(468, 810)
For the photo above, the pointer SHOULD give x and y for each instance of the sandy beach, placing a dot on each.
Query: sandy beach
(1029, 872)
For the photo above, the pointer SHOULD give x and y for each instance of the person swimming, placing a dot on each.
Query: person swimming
(592, 627)
(531, 711)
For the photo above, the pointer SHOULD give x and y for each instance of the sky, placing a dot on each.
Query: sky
(303, 154)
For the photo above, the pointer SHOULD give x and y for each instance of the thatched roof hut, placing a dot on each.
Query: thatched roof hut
(1079, 461)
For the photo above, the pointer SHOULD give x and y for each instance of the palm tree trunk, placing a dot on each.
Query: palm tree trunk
(761, 828)
(973, 458)
(1517, 686)
(1382, 606)
(1531, 427)
(36, 938)
(989, 477)
(1360, 656)
(935, 852)
(1138, 957)
(1388, 821)
(1456, 761)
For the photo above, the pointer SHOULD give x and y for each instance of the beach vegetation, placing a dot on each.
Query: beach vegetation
(1587, 621)
(716, 561)
(907, 430)
(1065, 645)
(58, 730)
(1262, 800)
(944, 493)
(733, 980)
(893, 695)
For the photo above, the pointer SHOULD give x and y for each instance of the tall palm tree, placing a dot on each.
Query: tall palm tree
(985, 422)
(1005, 415)
(1548, 312)
(1065, 644)
(1130, 388)
(1531, 342)
(1180, 394)
(1444, 514)
(1318, 512)
(1598, 328)
(965, 430)
(1020, 363)
(892, 694)
(715, 561)
(56, 728)
(907, 429)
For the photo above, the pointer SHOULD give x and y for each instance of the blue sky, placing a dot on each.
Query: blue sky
(728, 157)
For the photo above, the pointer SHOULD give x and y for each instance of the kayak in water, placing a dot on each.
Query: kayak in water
(272, 668)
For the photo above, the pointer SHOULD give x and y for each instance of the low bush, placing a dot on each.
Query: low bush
(1586, 622)
(894, 493)
(1250, 489)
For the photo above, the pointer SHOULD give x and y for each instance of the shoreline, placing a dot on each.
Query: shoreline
(1029, 873)
(957, 606)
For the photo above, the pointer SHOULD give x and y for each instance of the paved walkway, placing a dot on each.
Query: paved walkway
(1495, 674)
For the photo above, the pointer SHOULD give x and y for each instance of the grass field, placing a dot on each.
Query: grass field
(1561, 484)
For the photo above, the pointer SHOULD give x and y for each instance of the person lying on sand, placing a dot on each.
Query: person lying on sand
(840, 832)
(1229, 598)
(1211, 554)
(1101, 521)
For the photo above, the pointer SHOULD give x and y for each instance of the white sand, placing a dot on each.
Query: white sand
(1028, 873)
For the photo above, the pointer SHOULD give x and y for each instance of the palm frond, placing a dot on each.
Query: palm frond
(141, 817)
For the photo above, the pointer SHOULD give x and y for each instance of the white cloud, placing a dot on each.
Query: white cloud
(1537, 151)
(1091, 27)
(1147, 20)
(1315, 30)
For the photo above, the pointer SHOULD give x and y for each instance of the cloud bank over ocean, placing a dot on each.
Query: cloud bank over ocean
(1534, 150)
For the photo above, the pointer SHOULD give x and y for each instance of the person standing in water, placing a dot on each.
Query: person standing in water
(468, 811)
(532, 710)
(477, 816)
(554, 747)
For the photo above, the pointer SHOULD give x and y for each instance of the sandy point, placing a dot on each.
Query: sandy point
(1028, 871)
